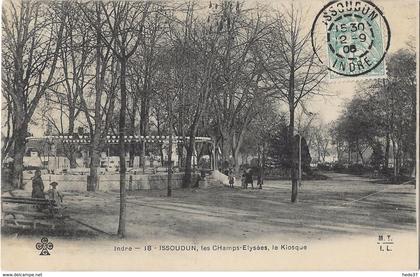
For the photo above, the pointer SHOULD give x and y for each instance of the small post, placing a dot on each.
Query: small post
(213, 156)
(107, 163)
(259, 182)
(143, 154)
(169, 189)
(170, 170)
(130, 183)
(263, 165)
(300, 160)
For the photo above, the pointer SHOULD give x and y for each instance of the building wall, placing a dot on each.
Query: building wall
(58, 163)
(111, 182)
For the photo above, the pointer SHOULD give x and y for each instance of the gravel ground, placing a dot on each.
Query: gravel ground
(340, 206)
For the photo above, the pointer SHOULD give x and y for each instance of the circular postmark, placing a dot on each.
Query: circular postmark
(351, 38)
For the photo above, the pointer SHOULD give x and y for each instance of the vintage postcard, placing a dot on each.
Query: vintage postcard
(209, 135)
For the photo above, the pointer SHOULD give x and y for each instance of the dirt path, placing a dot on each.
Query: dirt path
(342, 205)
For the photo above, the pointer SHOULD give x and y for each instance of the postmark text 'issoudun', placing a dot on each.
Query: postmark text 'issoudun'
(351, 38)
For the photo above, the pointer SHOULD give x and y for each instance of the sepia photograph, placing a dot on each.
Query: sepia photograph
(192, 135)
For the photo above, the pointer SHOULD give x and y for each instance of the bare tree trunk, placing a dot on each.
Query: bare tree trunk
(237, 143)
(94, 150)
(181, 132)
(132, 131)
(360, 153)
(398, 159)
(234, 151)
(338, 151)
(71, 148)
(188, 163)
(259, 154)
(7, 141)
(225, 145)
(180, 151)
(158, 119)
(169, 189)
(396, 154)
(292, 152)
(386, 155)
(19, 153)
(144, 117)
(93, 180)
(162, 159)
(263, 166)
(235, 155)
(122, 219)
(291, 98)
(349, 153)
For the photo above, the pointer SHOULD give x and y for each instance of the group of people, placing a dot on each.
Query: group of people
(38, 189)
(246, 179)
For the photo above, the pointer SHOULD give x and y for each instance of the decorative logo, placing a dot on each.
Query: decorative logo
(44, 246)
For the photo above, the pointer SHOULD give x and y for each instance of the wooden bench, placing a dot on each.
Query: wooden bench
(28, 212)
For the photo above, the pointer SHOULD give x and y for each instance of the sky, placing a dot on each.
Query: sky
(402, 17)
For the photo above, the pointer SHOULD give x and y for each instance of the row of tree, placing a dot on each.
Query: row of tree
(382, 118)
(129, 68)
(218, 69)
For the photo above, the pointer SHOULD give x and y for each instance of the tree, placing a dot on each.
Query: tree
(74, 66)
(238, 95)
(206, 43)
(292, 70)
(385, 111)
(125, 21)
(321, 141)
(98, 129)
(358, 127)
(402, 93)
(192, 72)
(32, 37)
(143, 69)
(377, 157)
(340, 146)
(278, 147)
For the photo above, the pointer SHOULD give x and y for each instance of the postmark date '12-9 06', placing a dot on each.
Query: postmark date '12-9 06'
(351, 38)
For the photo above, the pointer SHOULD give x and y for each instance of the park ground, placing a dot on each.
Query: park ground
(340, 206)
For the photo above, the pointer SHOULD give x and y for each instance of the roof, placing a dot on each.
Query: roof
(112, 139)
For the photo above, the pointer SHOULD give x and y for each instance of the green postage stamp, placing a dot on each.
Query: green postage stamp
(351, 38)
